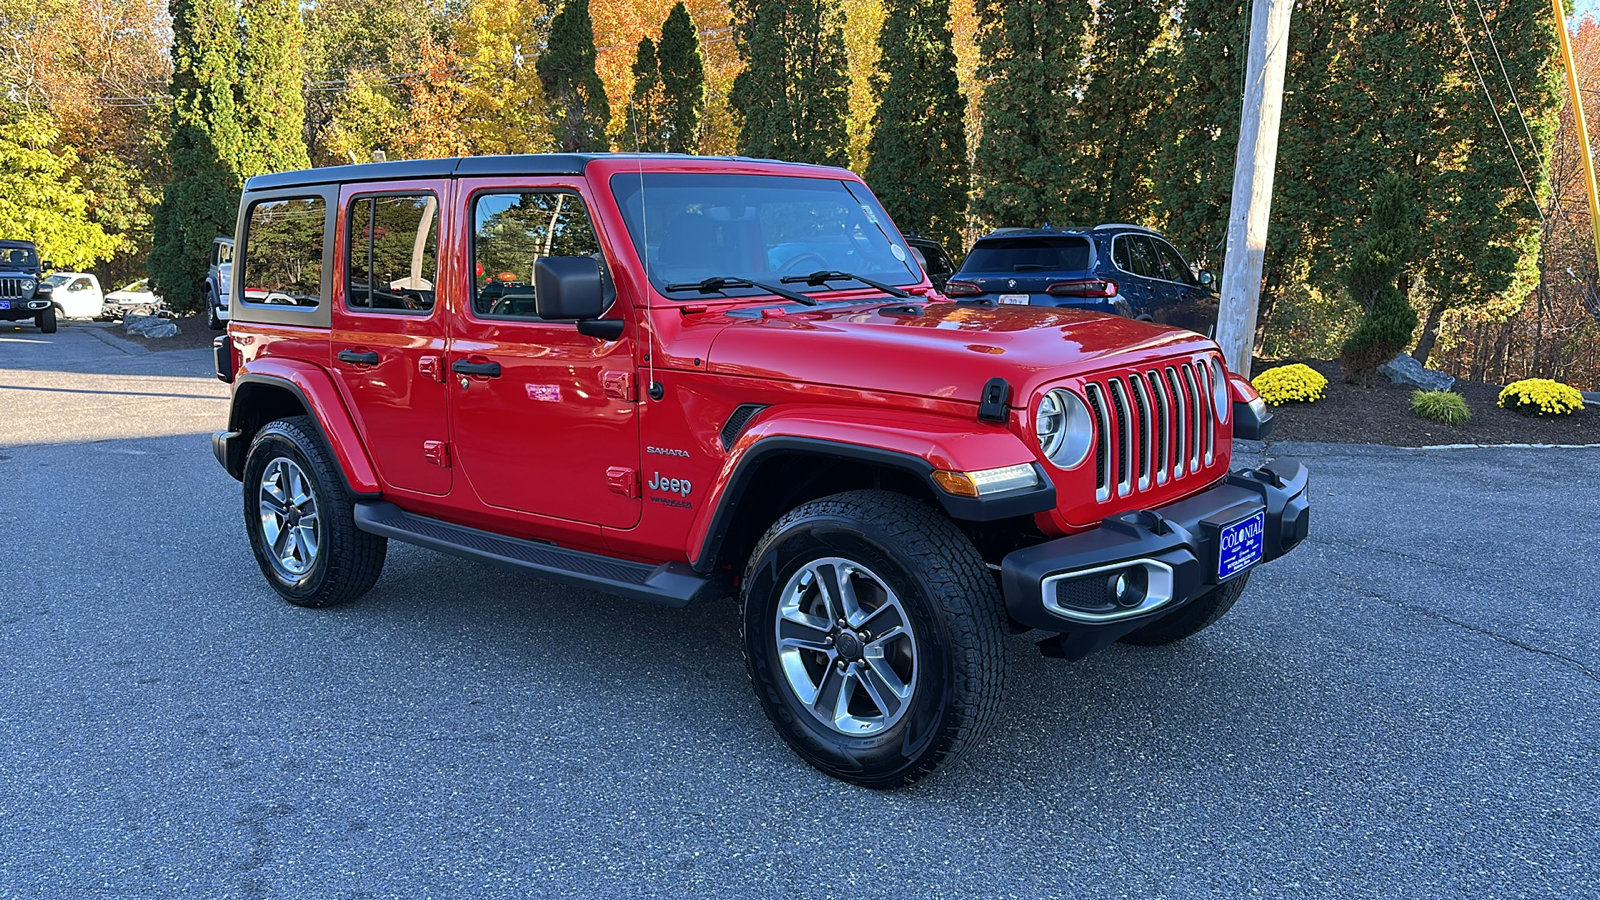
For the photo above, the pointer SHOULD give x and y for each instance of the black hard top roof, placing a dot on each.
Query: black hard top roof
(466, 166)
(19, 245)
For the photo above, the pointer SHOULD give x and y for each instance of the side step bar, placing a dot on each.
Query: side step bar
(672, 584)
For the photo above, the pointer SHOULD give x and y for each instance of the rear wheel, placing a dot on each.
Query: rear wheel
(46, 320)
(1195, 616)
(301, 520)
(872, 632)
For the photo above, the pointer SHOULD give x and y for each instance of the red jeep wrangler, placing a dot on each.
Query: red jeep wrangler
(681, 379)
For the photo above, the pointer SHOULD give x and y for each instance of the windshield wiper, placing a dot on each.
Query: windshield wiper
(719, 284)
(818, 279)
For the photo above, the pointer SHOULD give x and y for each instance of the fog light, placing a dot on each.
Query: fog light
(1129, 587)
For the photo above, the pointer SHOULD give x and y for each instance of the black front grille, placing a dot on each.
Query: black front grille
(11, 288)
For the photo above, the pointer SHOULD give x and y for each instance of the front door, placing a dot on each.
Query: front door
(545, 420)
(389, 330)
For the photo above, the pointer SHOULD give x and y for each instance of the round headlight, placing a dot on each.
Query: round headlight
(28, 284)
(1063, 428)
(1219, 389)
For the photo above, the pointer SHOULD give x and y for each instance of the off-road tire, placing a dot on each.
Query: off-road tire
(213, 318)
(1195, 616)
(349, 560)
(46, 320)
(957, 618)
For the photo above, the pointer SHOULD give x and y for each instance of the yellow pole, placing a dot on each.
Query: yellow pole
(1583, 129)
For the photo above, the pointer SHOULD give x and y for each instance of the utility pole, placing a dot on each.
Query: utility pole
(1252, 181)
(1581, 127)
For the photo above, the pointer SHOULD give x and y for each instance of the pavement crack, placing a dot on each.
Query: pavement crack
(1490, 633)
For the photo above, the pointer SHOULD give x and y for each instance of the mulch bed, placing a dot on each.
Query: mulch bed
(192, 334)
(1382, 415)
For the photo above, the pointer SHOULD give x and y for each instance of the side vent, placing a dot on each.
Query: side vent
(737, 421)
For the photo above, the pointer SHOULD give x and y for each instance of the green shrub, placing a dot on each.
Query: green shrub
(1386, 242)
(1440, 406)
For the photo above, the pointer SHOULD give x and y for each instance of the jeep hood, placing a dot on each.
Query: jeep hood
(946, 350)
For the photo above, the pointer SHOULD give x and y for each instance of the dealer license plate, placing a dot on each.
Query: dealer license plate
(1014, 299)
(1240, 545)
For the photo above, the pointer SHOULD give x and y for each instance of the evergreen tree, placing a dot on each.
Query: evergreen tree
(1112, 128)
(1032, 53)
(1387, 240)
(683, 80)
(577, 101)
(272, 88)
(793, 96)
(646, 128)
(918, 152)
(204, 151)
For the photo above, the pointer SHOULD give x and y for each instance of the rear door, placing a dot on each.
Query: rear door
(545, 420)
(389, 329)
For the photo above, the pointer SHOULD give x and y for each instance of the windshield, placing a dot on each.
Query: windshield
(694, 226)
(18, 258)
(57, 280)
(1029, 254)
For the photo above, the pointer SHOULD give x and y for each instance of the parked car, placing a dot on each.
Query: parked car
(681, 379)
(24, 291)
(1123, 269)
(136, 295)
(930, 254)
(76, 295)
(219, 283)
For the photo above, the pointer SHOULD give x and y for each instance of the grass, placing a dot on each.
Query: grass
(1440, 406)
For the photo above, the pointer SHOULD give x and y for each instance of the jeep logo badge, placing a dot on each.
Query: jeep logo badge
(679, 486)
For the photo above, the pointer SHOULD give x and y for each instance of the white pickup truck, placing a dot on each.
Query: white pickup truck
(77, 295)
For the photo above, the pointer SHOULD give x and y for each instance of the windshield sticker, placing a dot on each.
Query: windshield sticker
(549, 393)
(872, 215)
(898, 252)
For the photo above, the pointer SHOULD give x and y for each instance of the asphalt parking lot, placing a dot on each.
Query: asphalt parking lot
(1406, 706)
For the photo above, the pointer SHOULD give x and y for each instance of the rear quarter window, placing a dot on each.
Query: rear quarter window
(1029, 254)
(283, 253)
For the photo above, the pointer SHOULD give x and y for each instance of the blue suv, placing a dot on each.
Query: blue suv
(1126, 270)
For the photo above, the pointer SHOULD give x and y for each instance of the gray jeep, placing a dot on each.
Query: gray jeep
(23, 293)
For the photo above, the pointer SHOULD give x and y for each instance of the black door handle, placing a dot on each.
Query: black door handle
(359, 357)
(488, 369)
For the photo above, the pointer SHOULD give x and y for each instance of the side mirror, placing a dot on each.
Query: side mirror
(1206, 278)
(47, 265)
(572, 287)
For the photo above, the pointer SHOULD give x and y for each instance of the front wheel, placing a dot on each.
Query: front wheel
(301, 521)
(213, 317)
(873, 635)
(46, 320)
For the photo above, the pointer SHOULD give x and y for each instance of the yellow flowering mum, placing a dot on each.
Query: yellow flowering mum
(1541, 397)
(1297, 382)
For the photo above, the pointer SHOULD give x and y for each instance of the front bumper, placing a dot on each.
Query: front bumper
(1068, 585)
(18, 308)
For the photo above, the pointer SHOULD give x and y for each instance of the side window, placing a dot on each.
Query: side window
(283, 252)
(392, 253)
(511, 232)
(1120, 254)
(1177, 269)
(1145, 261)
